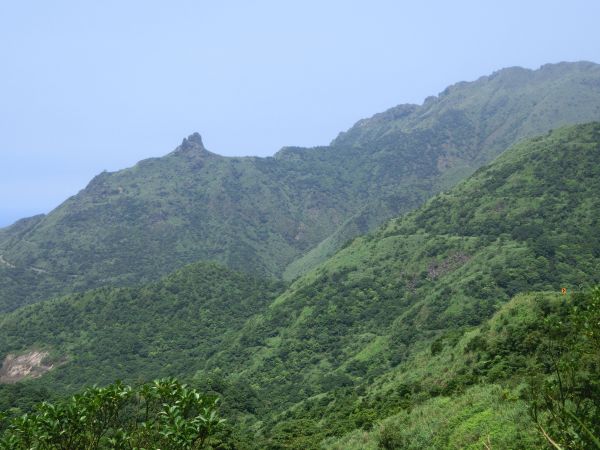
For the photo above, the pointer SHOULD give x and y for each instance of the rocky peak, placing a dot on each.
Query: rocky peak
(193, 141)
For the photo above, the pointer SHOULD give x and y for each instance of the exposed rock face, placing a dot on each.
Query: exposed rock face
(439, 268)
(15, 368)
(192, 142)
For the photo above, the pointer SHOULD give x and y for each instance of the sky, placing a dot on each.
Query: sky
(87, 86)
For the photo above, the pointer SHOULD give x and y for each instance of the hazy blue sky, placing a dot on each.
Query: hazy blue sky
(93, 85)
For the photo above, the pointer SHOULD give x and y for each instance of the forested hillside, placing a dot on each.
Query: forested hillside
(413, 321)
(165, 328)
(524, 377)
(528, 222)
(283, 215)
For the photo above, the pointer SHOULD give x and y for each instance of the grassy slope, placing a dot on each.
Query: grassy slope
(484, 414)
(262, 214)
(458, 396)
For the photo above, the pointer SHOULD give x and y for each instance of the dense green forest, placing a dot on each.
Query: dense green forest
(444, 328)
(526, 223)
(283, 215)
(525, 378)
(161, 329)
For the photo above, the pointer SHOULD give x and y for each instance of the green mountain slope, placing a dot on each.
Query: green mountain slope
(366, 335)
(263, 214)
(467, 125)
(165, 328)
(479, 386)
(526, 223)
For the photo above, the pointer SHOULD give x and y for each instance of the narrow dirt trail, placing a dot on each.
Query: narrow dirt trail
(6, 263)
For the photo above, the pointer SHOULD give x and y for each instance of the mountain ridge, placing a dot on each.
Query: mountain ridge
(264, 214)
(341, 347)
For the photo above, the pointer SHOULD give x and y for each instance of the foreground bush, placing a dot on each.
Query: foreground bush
(163, 414)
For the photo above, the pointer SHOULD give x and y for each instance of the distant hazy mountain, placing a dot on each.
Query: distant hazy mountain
(282, 215)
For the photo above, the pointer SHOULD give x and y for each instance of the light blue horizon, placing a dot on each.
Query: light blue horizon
(92, 86)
